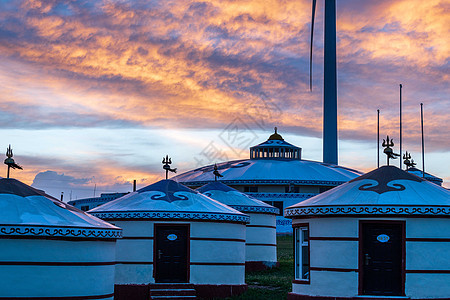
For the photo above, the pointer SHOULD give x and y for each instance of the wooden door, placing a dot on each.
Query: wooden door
(382, 259)
(171, 253)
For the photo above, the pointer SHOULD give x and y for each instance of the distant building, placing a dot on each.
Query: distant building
(429, 177)
(90, 203)
(275, 174)
(383, 235)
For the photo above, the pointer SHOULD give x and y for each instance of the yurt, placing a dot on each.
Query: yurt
(261, 243)
(176, 242)
(51, 250)
(385, 234)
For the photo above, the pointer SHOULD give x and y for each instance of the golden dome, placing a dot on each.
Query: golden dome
(276, 136)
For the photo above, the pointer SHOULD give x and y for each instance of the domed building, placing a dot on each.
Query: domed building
(383, 235)
(260, 241)
(51, 250)
(274, 173)
(176, 240)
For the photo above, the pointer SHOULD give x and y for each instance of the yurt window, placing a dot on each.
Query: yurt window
(302, 252)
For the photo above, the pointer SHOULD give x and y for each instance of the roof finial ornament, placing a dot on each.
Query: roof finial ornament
(216, 173)
(9, 161)
(167, 161)
(388, 150)
(409, 163)
(275, 135)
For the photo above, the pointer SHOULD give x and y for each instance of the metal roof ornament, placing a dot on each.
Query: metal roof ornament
(216, 173)
(9, 161)
(388, 150)
(409, 163)
(167, 161)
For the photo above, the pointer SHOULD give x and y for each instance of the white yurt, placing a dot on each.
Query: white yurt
(51, 250)
(261, 240)
(385, 234)
(176, 239)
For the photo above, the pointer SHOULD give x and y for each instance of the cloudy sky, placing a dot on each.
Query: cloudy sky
(94, 93)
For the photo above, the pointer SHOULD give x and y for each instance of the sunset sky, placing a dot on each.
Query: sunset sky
(95, 93)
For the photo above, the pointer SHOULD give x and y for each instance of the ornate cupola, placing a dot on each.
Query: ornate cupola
(275, 148)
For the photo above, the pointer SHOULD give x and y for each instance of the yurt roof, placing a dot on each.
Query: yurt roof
(428, 176)
(235, 199)
(26, 211)
(383, 191)
(168, 199)
(271, 171)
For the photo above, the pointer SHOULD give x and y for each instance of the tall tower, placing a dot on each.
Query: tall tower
(330, 131)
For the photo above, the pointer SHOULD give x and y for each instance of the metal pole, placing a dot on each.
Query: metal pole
(400, 126)
(134, 185)
(423, 141)
(7, 176)
(378, 138)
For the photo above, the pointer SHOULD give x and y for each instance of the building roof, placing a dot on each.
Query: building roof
(26, 211)
(273, 162)
(168, 199)
(271, 171)
(383, 191)
(428, 176)
(235, 199)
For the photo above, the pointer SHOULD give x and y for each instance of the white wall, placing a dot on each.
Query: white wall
(56, 281)
(201, 251)
(420, 255)
(261, 235)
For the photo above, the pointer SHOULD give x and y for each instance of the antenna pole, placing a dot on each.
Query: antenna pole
(378, 138)
(401, 86)
(95, 187)
(423, 141)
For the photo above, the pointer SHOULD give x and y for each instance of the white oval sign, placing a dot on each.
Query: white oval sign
(172, 237)
(383, 238)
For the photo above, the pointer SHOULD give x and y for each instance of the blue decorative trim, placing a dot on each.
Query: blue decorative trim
(172, 215)
(367, 210)
(253, 182)
(261, 196)
(256, 209)
(72, 232)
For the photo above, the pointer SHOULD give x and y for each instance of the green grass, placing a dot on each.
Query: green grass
(275, 283)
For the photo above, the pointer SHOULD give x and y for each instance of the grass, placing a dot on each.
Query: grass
(275, 283)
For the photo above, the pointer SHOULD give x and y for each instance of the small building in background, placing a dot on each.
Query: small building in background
(176, 242)
(86, 204)
(428, 176)
(52, 250)
(261, 237)
(385, 234)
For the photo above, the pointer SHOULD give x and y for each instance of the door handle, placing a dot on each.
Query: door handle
(159, 254)
(366, 259)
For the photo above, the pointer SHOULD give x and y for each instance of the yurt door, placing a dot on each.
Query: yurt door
(171, 253)
(381, 260)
